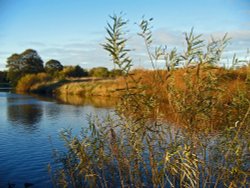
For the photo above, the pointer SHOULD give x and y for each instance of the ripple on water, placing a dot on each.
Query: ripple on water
(26, 123)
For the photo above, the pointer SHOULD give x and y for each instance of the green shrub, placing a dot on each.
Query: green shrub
(73, 71)
(99, 72)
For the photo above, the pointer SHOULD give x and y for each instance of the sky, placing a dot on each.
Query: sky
(71, 31)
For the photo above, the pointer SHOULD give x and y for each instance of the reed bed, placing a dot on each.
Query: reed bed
(185, 127)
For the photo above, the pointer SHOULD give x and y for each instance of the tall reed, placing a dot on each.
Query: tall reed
(207, 144)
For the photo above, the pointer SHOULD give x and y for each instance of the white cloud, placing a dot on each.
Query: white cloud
(90, 53)
(167, 37)
(239, 43)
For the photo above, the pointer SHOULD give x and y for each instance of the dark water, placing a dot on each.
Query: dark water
(29, 130)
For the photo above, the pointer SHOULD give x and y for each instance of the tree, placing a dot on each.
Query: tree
(74, 71)
(99, 72)
(25, 63)
(53, 66)
(80, 72)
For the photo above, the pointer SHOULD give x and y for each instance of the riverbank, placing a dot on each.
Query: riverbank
(87, 86)
(146, 81)
(92, 87)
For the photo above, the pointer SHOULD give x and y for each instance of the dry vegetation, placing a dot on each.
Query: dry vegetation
(228, 84)
(205, 142)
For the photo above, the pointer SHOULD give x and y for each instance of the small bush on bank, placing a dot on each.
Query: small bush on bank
(29, 81)
(73, 71)
(99, 72)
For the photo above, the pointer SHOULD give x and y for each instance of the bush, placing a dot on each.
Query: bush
(99, 72)
(73, 71)
(29, 81)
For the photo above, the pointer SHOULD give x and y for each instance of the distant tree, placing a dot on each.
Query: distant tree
(99, 72)
(25, 63)
(3, 77)
(74, 71)
(53, 66)
(80, 72)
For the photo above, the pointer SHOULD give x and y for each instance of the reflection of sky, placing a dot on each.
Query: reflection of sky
(26, 124)
(71, 31)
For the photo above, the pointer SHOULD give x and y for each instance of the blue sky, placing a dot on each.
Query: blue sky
(71, 31)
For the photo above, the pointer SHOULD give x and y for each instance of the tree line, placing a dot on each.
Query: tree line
(29, 62)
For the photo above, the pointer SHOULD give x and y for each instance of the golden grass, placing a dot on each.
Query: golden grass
(229, 80)
(146, 76)
(92, 88)
(150, 83)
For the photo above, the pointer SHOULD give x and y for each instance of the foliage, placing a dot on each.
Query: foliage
(31, 81)
(53, 66)
(99, 72)
(116, 44)
(207, 144)
(73, 71)
(25, 63)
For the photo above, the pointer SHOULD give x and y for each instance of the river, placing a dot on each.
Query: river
(29, 131)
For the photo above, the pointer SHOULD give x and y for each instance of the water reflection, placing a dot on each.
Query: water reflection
(26, 124)
(99, 102)
(27, 111)
(26, 115)
(52, 111)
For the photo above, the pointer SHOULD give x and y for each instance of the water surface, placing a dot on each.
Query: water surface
(29, 130)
